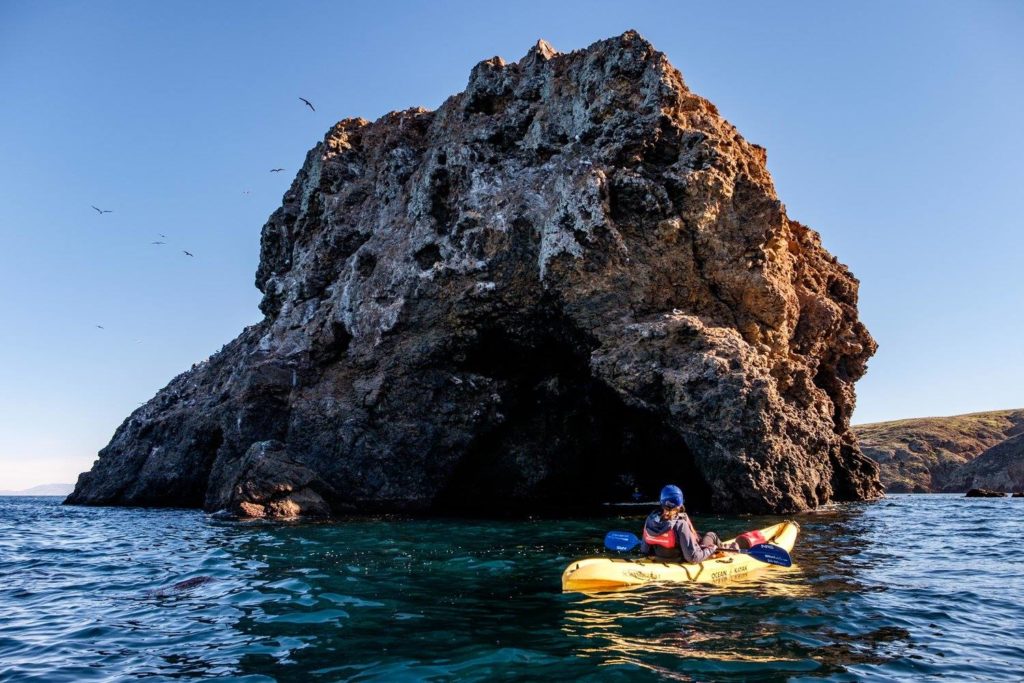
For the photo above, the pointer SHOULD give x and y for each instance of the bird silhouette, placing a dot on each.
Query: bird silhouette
(162, 235)
(158, 242)
(102, 211)
(276, 170)
(308, 103)
(187, 253)
(101, 327)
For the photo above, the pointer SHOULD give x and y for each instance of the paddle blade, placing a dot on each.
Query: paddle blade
(770, 553)
(621, 541)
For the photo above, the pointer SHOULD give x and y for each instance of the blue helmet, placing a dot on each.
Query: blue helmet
(671, 496)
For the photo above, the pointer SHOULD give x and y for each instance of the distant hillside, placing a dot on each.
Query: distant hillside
(949, 454)
(1000, 468)
(42, 490)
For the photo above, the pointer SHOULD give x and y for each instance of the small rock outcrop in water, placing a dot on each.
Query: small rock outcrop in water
(984, 493)
(948, 454)
(571, 280)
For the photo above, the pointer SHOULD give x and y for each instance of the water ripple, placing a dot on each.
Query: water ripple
(912, 587)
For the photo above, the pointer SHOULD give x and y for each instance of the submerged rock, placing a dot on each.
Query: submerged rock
(572, 280)
(181, 586)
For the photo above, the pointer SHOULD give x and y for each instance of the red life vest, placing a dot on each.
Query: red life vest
(665, 540)
(669, 539)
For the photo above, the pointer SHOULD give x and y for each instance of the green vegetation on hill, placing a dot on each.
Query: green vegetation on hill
(932, 454)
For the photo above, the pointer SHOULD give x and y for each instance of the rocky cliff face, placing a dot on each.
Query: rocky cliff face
(570, 280)
(948, 454)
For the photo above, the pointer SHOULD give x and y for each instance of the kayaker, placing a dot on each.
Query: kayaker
(669, 534)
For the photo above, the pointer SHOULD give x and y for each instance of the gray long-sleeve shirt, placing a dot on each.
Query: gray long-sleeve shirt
(687, 546)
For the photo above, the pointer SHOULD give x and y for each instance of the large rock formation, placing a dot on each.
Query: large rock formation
(570, 280)
(948, 454)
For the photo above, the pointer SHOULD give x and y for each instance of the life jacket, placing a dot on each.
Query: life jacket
(666, 539)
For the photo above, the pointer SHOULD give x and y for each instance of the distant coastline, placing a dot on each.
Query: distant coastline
(948, 454)
(42, 490)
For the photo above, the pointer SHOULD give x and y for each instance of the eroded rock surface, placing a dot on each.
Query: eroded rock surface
(571, 279)
(268, 482)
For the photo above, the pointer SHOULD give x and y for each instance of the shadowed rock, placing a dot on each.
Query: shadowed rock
(571, 280)
(984, 493)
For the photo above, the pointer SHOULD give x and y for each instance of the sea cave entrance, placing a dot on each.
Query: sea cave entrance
(568, 441)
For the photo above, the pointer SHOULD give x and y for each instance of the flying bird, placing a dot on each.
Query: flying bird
(158, 242)
(187, 253)
(276, 170)
(101, 327)
(102, 211)
(308, 103)
(162, 235)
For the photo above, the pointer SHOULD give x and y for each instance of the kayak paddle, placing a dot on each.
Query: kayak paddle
(765, 552)
(769, 553)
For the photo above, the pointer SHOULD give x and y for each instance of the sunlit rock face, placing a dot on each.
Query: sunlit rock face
(572, 280)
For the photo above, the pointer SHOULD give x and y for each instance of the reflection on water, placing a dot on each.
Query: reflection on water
(775, 624)
(629, 625)
(912, 586)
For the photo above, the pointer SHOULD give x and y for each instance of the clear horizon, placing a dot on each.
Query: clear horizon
(890, 130)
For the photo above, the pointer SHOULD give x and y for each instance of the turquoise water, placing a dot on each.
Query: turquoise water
(908, 588)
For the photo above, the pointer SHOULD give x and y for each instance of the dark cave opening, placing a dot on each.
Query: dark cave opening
(201, 452)
(568, 441)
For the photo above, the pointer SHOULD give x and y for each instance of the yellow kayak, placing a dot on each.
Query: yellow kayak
(616, 573)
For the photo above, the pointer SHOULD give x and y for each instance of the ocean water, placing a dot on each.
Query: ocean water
(912, 587)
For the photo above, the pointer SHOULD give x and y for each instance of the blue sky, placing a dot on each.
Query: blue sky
(893, 128)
